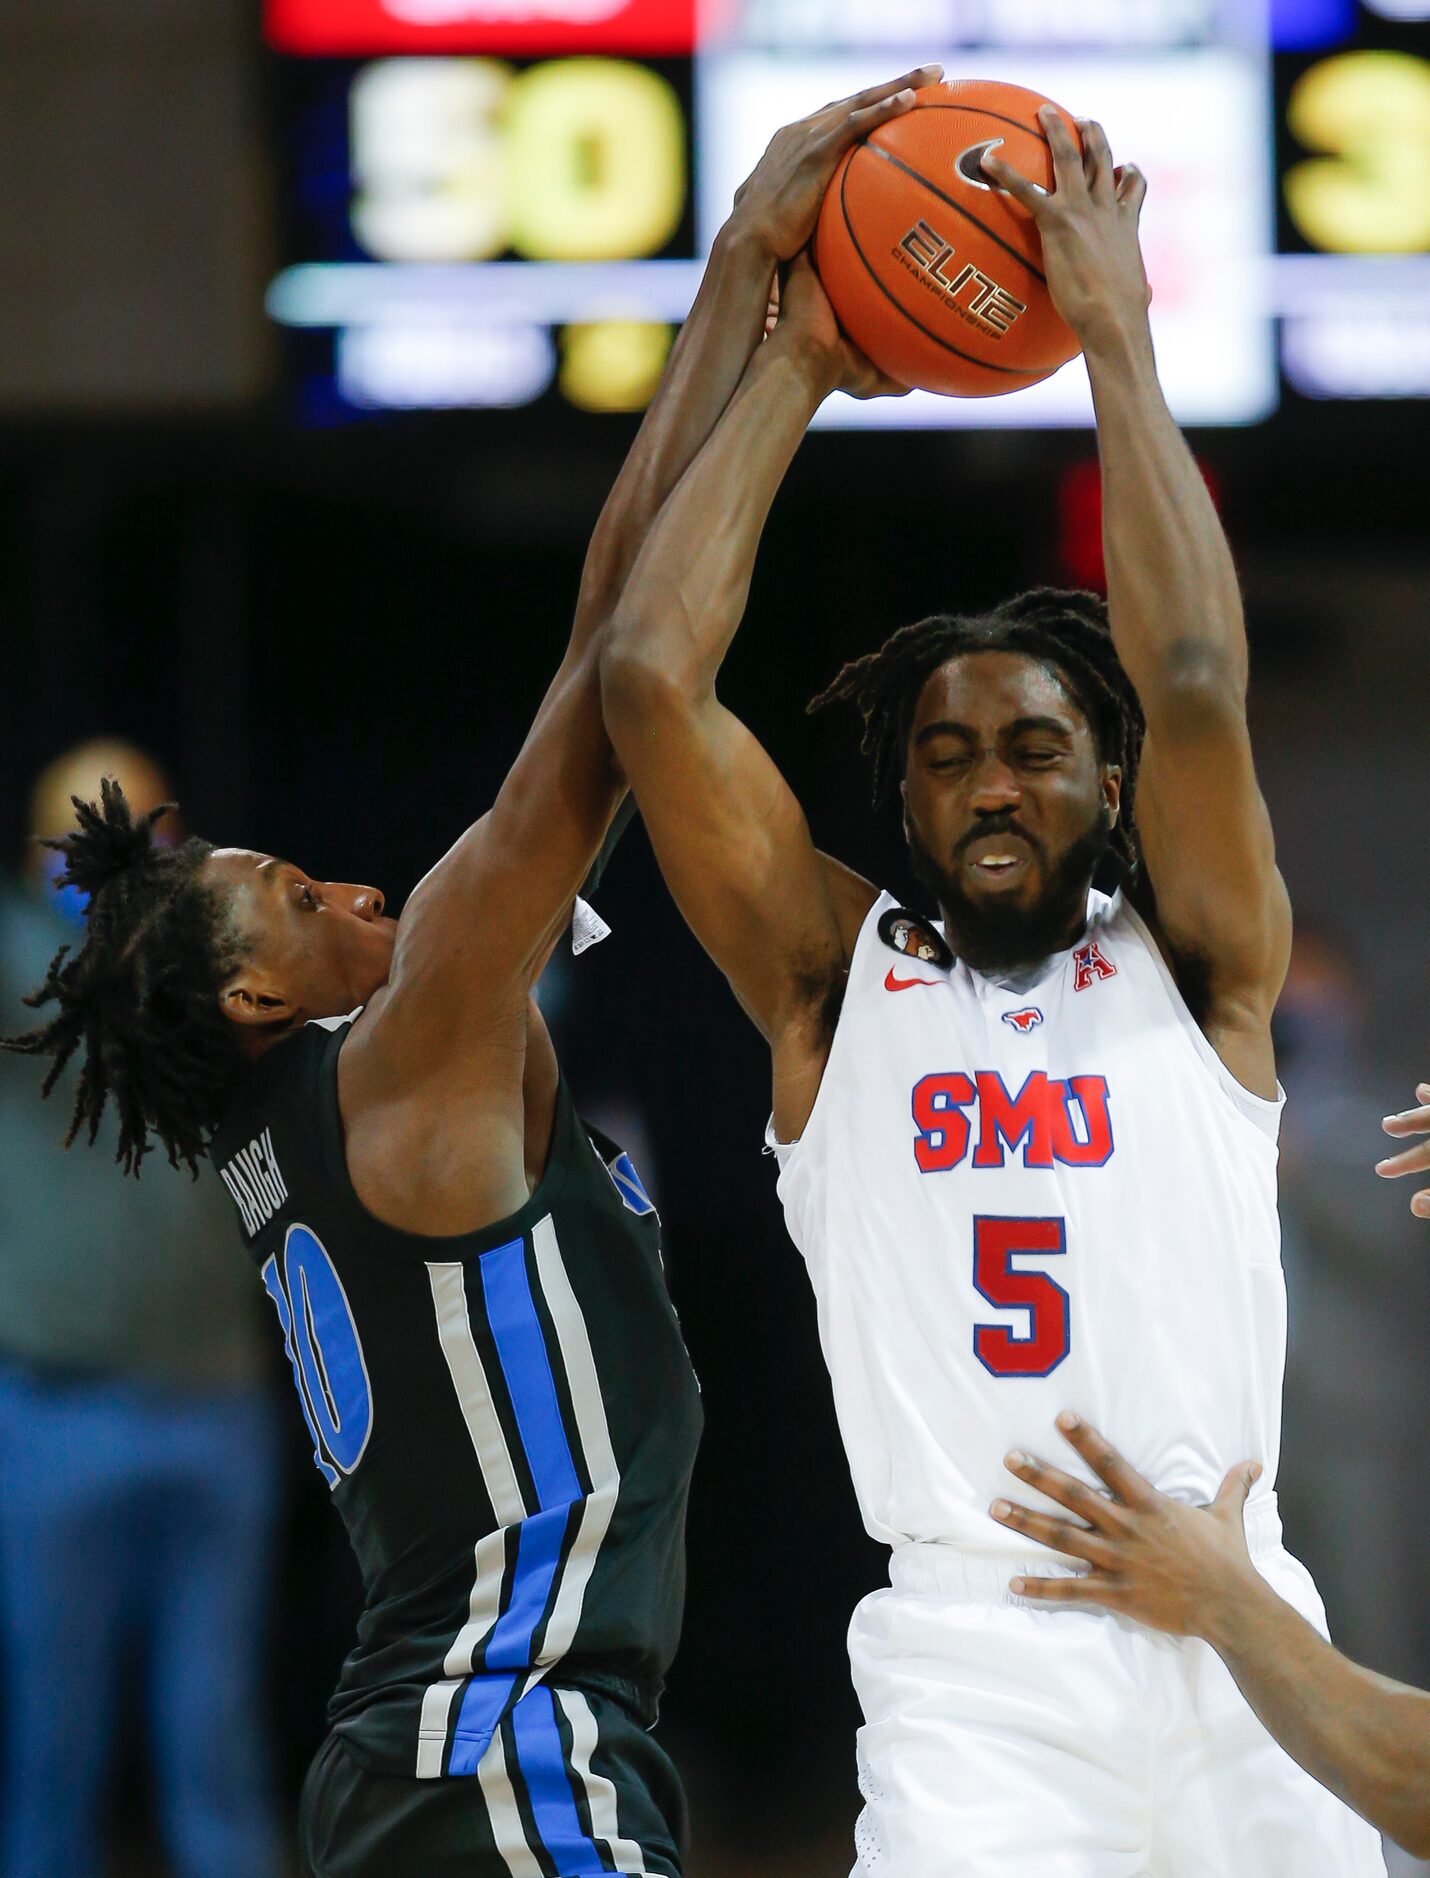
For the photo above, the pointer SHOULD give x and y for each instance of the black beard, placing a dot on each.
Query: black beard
(992, 936)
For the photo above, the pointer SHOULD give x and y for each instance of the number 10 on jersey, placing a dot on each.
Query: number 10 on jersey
(1038, 1349)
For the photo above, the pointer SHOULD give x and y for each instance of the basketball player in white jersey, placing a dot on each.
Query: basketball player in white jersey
(1028, 1149)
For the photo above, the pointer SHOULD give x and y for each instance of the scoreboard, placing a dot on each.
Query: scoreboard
(347, 28)
(499, 201)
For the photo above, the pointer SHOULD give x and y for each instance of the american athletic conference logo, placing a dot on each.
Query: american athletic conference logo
(1089, 966)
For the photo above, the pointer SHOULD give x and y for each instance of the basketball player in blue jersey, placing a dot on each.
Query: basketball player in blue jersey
(1027, 1147)
(468, 1279)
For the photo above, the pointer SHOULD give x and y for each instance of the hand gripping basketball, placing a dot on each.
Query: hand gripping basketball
(779, 202)
(1087, 225)
(973, 273)
(935, 272)
(801, 310)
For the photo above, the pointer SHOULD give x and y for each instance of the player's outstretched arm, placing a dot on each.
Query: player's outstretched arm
(732, 841)
(1175, 608)
(1187, 1570)
(1414, 1160)
(483, 921)
(774, 213)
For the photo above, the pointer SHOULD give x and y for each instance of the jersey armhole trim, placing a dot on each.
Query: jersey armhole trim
(422, 1247)
(784, 1151)
(1262, 1112)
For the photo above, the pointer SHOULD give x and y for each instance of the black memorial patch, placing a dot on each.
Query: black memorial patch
(914, 937)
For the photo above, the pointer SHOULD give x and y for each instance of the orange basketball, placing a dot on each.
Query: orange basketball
(935, 275)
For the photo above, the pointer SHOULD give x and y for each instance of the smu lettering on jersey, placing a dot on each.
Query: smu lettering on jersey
(507, 1419)
(1014, 1201)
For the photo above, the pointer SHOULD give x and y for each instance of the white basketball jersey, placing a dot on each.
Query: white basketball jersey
(1013, 1202)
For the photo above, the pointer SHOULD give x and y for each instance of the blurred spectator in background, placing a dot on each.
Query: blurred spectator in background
(138, 1455)
(1356, 1408)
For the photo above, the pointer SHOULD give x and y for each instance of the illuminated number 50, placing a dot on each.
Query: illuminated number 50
(325, 1350)
(572, 160)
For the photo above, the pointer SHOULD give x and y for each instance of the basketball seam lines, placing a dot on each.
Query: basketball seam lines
(983, 111)
(1010, 371)
(957, 207)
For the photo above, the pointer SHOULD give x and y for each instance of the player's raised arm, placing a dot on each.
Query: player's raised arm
(731, 838)
(1176, 613)
(1187, 1570)
(481, 924)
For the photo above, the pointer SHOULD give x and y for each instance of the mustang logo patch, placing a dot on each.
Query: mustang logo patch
(1025, 1020)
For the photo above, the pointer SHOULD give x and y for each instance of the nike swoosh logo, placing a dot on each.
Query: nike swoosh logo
(905, 984)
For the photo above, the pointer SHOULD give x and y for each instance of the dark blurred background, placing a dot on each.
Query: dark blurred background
(329, 610)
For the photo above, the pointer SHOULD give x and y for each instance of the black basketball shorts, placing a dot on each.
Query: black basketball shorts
(571, 1787)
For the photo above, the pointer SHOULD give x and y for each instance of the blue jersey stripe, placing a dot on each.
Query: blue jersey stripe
(484, 1701)
(526, 1366)
(511, 1312)
(537, 1555)
(542, 1761)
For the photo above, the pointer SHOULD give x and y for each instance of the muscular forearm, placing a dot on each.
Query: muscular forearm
(705, 367)
(687, 592)
(1172, 589)
(1361, 1735)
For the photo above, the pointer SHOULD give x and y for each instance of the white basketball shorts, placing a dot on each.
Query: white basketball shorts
(1002, 1740)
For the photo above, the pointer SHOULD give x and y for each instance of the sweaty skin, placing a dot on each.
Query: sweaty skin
(1187, 1570)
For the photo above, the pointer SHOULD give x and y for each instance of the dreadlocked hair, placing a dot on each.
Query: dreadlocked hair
(141, 996)
(1059, 627)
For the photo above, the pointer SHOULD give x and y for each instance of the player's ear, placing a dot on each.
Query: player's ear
(1112, 789)
(252, 997)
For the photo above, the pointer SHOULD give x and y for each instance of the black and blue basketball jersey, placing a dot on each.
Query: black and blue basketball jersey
(507, 1419)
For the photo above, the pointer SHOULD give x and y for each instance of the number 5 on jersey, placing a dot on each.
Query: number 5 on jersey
(1039, 1349)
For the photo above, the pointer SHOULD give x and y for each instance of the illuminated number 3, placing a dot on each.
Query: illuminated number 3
(325, 1350)
(1372, 196)
(1037, 1350)
(458, 159)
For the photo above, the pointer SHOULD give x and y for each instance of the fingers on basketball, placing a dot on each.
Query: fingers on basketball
(935, 274)
(1096, 158)
(1131, 188)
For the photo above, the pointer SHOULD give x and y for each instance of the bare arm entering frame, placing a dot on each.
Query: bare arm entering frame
(1187, 1570)
(1176, 615)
